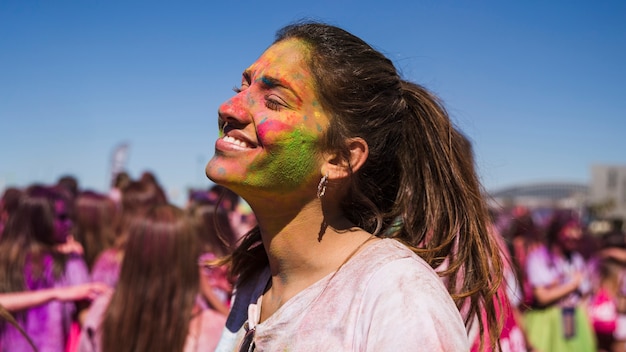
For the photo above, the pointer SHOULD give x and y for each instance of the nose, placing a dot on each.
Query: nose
(234, 112)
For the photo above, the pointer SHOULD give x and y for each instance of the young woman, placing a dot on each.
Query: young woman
(96, 223)
(155, 305)
(8, 204)
(31, 259)
(217, 238)
(137, 198)
(559, 278)
(361, 187)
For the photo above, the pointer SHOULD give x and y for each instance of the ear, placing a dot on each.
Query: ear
(337, 167)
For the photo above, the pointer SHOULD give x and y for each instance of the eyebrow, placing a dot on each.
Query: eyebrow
(273, 82)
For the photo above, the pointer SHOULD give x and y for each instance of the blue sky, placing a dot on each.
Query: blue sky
(536, 85)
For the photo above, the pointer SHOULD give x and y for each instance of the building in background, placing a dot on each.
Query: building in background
(602, 202)
(607, 196)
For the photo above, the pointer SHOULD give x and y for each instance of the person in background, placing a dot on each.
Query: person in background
(137, 198)
(607, 304)
(217, 241)
(242, 220)
(8, 204)
(360, 188)
(240, 215)
(120, 181)
(223, 196)
(69, 184)
(524, 236)
(512, 337)
(559, 278)
(96, 217)
(18, 301)
(150, 179)
(31, 260)
(155, 305)
(214, 227)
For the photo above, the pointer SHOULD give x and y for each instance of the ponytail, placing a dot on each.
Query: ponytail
(440, 201)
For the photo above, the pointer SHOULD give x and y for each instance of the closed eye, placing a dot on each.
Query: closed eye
(274, 104)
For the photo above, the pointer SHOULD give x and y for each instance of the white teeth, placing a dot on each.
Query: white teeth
(234, 141)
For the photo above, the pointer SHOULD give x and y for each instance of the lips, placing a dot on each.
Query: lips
(235, 140)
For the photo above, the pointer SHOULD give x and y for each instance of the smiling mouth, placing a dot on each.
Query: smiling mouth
(235, 141)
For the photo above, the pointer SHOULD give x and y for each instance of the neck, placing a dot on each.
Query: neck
(303, 245)
(300, 239)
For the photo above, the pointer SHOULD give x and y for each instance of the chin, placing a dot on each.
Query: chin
(219, 176)
(214, 172)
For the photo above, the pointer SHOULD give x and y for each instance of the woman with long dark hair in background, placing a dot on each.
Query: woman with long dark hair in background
(31, 259)
(155, 305)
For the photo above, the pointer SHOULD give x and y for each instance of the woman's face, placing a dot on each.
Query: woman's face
(570, 235)
(269, 129)
(62, 222)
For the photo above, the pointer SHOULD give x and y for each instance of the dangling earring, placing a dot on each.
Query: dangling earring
(321, 187)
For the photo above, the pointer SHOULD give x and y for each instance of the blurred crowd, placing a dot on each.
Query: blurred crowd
(125, 270)
(566, 285)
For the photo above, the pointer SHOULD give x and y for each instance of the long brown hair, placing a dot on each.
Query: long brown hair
(137, 198)
(151, 307)
(28, 238)
(418, 185)
(214, 228)
(27, 244)
(96, 219)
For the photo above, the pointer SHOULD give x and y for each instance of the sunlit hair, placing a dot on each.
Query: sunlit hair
(418, 175)
(151, 307)
(96, 217)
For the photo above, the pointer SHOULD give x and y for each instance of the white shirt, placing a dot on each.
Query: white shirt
(385, 298)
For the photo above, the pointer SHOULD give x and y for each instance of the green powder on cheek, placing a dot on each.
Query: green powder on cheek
(290, 164)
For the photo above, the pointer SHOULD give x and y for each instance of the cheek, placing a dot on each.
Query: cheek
(292, 160)
(269, 130)
(289, 126)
